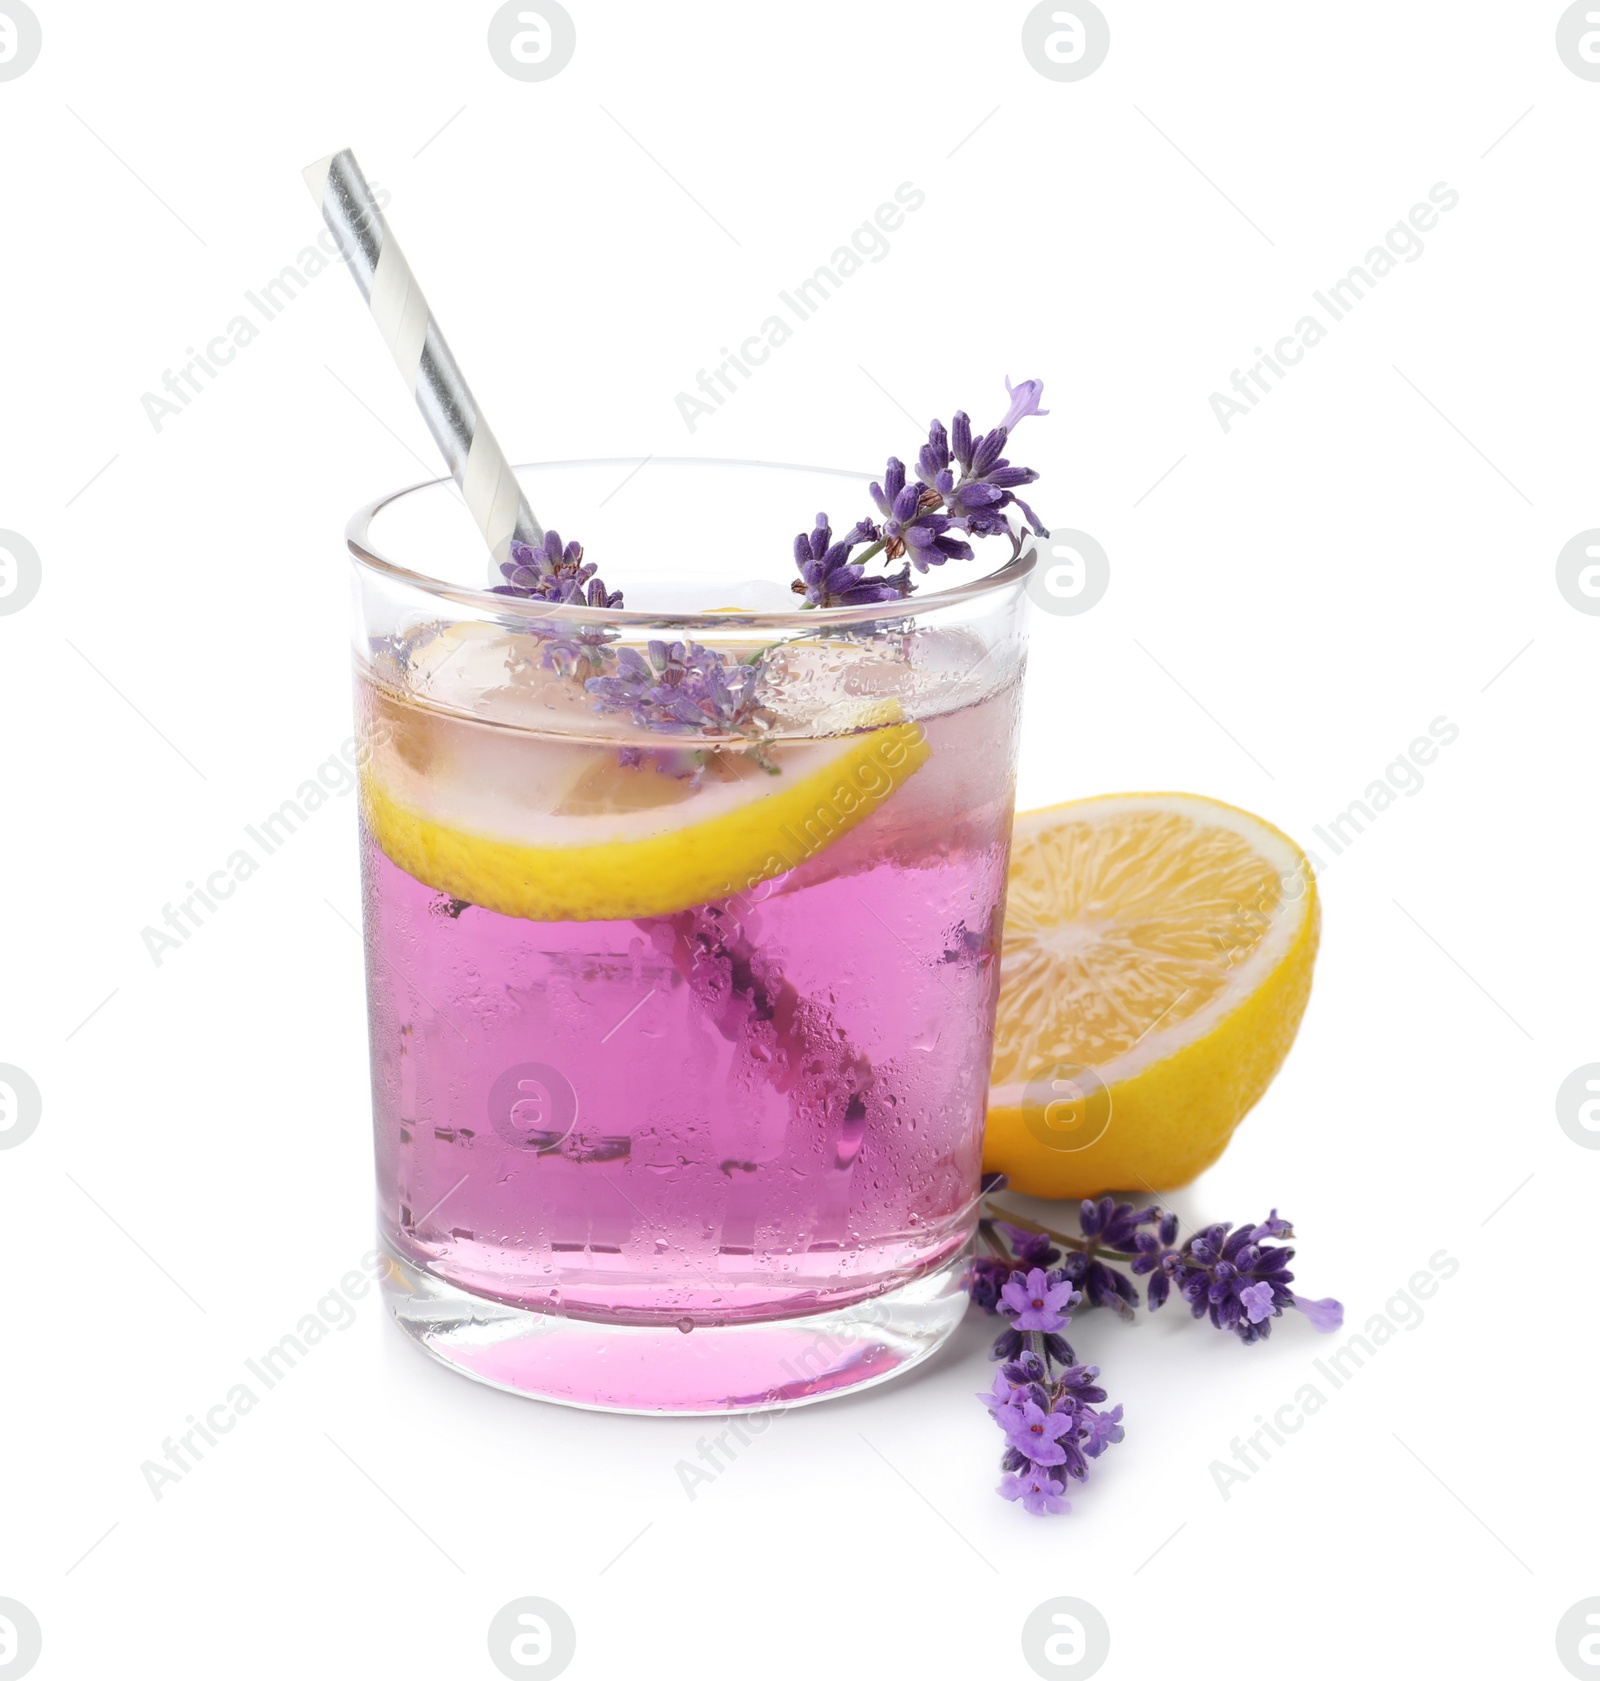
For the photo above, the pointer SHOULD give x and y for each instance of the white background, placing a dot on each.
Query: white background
(1371, 548)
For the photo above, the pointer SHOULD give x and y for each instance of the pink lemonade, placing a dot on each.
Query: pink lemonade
(683, 932)
(757, 1107)
(748, 1110)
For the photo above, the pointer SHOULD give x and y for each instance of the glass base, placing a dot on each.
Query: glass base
(753, 1367)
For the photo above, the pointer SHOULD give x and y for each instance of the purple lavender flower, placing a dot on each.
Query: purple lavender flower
(1038, 1491)
(1049, 1425)
(1109, 1226)
(1037, 1302)
(1024, 402)
(553, 573)
(1032, 1249)
(684, 689)
(1325, 1315)
(925, 520)
(988, 483)
(976, 500)
(1009, 1344)
(1028, 1367)
(571, 652)
(912, 525)
(988, 1276)
(1104, 1430)
(1152, 1251)
(1036, 1433)
(828, 578)
(1027, 1249)
(1042, 1399)
(1049, 1406)
(1256, 1300)
(1243, 1277)
(1082, 1384)
(1002, 1397)
(934, 458)
(1241, 1283)
(1115, 1225)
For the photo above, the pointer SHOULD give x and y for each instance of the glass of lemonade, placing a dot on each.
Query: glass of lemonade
(681, 1021)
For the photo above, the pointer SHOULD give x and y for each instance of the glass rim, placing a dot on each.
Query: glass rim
(367, 554)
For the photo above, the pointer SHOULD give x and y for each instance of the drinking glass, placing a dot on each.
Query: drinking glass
(681, 1015)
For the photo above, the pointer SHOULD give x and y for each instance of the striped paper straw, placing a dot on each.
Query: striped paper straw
(488, 485)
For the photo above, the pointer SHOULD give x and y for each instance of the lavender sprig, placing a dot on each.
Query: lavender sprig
(828, 577)
(1236, 1277)
(1042, 1399)
(681, 688)
(580, 652)
(677, 688)
(912, 524)
(924, 521)
(553, 573)
(988, 482)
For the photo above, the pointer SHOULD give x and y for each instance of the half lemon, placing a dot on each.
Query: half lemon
(1157, 961)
